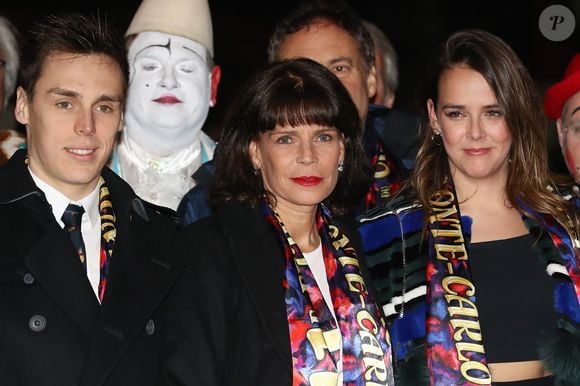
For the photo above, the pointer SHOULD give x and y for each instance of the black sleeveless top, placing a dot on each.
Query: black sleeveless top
(514, 296)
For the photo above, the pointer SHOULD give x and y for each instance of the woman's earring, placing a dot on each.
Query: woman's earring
(436, 137)
(340, 165)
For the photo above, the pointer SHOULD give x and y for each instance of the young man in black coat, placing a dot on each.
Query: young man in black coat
(80, 303)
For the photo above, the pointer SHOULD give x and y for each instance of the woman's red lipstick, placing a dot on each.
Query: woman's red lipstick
(307, 180)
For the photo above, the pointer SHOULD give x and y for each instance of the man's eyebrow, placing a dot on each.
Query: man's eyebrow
(74, 94)
(109, 98)
(575, 110)
(63, 92)
(341, 59)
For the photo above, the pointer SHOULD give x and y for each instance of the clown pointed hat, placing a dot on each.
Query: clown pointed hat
(188, 18)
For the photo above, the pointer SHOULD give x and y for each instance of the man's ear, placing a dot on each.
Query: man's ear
(21, 109)
(121, 123)
(216, 75)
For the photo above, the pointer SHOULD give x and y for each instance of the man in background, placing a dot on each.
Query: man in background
(333, 35)
(10, 138)
(385, 65)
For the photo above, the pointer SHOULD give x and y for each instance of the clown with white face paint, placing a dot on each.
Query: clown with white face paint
(172, 85)
(562, 103)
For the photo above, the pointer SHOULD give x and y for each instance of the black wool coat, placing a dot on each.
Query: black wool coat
(52, 329)
(233, 327)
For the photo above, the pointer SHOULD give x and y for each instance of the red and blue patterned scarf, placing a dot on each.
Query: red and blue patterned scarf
(455, 353)
(108, 234)
(316, 339)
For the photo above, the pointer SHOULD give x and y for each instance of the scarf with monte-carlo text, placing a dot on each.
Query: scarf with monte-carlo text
(455, 353)
(108, 234)
(455, 350)
(316, 339)
(386, 179)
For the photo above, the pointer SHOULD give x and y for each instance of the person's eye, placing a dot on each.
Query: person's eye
(284, 139)
(186, 69)
(149, 66)
(575, 129)
(64, 105)
(105, 108)
(340, 68)
(454, 114)
(325, 137)
(495, 113)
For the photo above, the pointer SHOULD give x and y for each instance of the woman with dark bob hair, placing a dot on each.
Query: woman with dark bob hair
(276, 294)
(476, 262)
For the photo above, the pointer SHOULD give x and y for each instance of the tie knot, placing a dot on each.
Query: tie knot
(72, 217)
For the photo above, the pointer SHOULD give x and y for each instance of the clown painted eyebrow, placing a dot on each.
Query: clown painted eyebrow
(167, 46)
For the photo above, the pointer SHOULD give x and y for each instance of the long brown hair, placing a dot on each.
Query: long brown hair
(529, 182)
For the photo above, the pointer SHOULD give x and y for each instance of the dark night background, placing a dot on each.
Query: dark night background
(415, 27)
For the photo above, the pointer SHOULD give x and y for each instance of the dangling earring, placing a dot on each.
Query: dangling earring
(340, 166)
(256, 171)
(436, 137)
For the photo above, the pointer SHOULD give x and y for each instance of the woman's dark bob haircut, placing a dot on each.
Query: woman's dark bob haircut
(290, 92)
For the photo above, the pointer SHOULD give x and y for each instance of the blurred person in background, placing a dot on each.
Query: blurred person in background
(10, 138)
(387, 72)
(562, 103)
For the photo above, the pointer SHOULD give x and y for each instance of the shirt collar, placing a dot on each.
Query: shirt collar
(59, 201)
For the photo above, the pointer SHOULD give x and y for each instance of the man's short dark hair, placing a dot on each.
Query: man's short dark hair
(312, 12)
(72, 33)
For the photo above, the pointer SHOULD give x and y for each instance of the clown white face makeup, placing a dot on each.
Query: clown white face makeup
(169, 92)
(569, 135)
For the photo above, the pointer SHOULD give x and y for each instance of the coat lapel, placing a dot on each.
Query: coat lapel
(259, 259)
(139, 279)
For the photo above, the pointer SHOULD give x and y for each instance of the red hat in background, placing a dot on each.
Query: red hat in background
(558, 94)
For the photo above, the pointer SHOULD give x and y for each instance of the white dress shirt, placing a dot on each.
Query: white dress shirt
(90, 225)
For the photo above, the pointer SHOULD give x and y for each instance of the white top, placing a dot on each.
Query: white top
(315, 261)
(162, 180)
(90, 224)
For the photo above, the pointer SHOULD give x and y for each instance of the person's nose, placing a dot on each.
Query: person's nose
(85, 124)
(169, 81)
(475, 130)
(307, 155)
